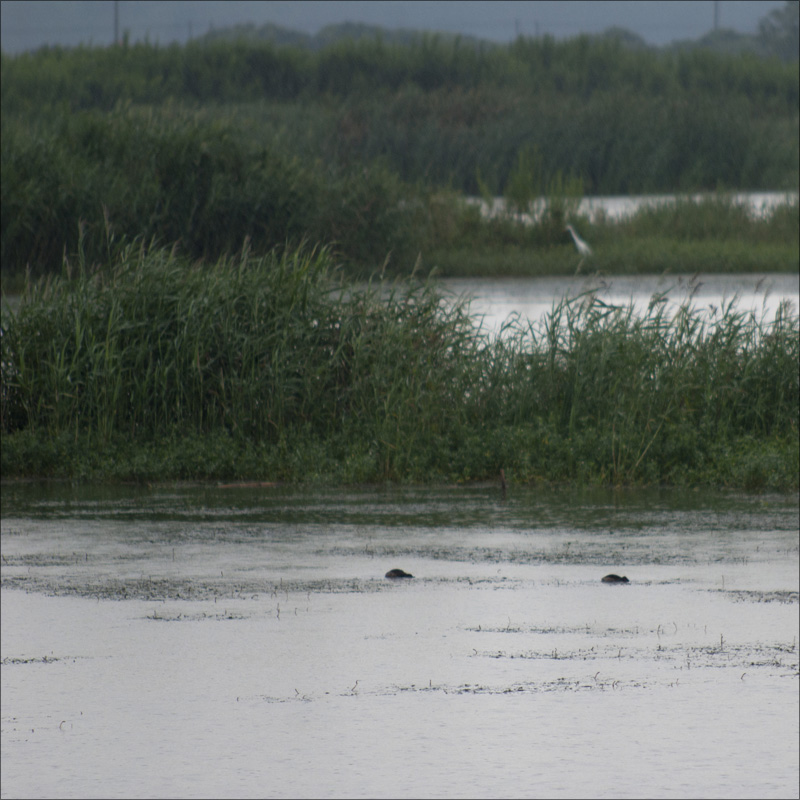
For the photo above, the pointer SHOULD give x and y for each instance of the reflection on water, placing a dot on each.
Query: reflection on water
(494, 300)
(201, 641)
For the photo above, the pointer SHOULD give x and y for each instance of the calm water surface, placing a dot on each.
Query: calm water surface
(201, 641)
(495, 300)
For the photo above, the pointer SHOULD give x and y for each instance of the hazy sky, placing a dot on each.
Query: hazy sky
(28, 24)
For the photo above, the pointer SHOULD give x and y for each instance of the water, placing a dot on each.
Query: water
(494, 300)
(200, 641)
(617, 208)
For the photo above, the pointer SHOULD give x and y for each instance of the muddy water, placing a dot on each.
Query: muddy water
(198, 641)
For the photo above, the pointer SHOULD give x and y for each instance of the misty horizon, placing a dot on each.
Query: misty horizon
(28, 25)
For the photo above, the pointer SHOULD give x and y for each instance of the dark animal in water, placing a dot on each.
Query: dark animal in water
(615, 579)
(398, 573)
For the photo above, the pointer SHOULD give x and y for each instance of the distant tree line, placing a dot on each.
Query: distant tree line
(777, 36)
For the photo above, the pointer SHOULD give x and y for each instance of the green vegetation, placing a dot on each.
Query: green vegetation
(92, 177)
(271, 367)
(186, 177)
(707, 235)
(195, 217)
(357, 145)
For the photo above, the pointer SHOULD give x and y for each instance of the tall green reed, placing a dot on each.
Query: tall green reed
(276, 359)
(647, 395)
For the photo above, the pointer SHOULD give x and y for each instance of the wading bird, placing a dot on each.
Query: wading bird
(580, 245)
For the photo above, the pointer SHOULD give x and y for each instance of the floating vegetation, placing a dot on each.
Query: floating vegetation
(36, 660)
(196, 617)
(751, 596)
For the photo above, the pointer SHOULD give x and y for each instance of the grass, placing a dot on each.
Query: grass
(712, 235)
(645, 257)
(274, 368)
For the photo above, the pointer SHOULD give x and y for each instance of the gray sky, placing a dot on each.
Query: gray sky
(28, 24)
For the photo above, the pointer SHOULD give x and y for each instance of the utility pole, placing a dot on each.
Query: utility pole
(116, 21)
(716, 15)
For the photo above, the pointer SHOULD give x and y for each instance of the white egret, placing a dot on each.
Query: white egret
(582, 247)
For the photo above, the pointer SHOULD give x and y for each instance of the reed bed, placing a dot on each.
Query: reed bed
(75, 182)
(437, 108)
(712, 234)
(272, 367)
(357, 144)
